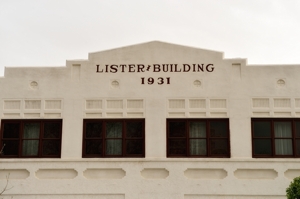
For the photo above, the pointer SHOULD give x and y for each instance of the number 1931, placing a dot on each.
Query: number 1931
(159, 80)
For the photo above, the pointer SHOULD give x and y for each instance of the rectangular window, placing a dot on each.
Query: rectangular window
(113, 138)
(31, 138)
(275, 138)
(198, 138)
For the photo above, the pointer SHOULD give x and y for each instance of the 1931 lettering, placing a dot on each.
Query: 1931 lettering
(159, 80)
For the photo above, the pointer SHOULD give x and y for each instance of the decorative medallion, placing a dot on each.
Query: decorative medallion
(197, 83)
(34, 85)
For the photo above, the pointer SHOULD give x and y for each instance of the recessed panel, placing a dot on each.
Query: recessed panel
(205, 173)
(176, 103)
(53, 104)
(33, 104)
(197, 103)
(114, 104)
(56, 174)
(218, 103)
(12, 104)
(135, 104)
(104, 173)
(282, 103)
(261, 103)
(292, 173)
(93, 104)
(256, 174)
(158, 173)
(12, 174)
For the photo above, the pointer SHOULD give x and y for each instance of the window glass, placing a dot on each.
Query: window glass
(178, 146)
(218, 129)
(177, 129)
(134, 147)
(11, 130)
(262, 147)
(30, 138)
(10, 147)
(113, 147)
(122, 138)
(198, 146)
(134, 130)
(298, 129)
(262, 129)
(298, 147)
(52, 130)
(275, 137)
(30, 147)
(93, 147)
(31, 130)
(202, 138)
(219, 146)
(197, 129)
(51, 147)
(283, 129)
(113, 129)
(283, 147)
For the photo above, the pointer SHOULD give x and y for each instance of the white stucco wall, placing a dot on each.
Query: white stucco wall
(229, 91)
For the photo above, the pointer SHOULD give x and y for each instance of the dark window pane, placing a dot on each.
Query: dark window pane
(177, 147)
(94, 129)
(197, 130)
(93, 147)
(298, 129)
(31, 130)
(11, 148)
(218, 129)
(52, 130)
(298, 146)
(11, 130)
(134, 129)
(262, 147)
(114, 147)
(283, 129)
(114, 129)
(30, 147)
(219, 147)
(197, 146)
(134, 146)
(51, 147)
(177, 129)
(283, 147)
(261, 129)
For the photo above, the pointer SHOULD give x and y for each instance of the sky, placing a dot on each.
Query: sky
(49, 32)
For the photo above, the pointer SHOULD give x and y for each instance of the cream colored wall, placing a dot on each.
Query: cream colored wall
(233, 90)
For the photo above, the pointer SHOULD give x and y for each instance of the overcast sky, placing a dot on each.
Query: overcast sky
(49, 32)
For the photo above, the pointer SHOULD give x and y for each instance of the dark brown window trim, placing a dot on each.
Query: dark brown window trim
(42, 140)
(272, 137)
(102, 139)
(208, 138)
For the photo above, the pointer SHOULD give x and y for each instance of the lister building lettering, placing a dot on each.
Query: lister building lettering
(150, 121)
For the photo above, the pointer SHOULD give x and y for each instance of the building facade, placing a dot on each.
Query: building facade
(150, 121)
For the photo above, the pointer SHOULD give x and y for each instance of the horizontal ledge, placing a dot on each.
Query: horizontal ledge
(189, 160)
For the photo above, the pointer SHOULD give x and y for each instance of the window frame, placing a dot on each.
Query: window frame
(272, 137)
(104, 138)
(41, 138)
(208, 137)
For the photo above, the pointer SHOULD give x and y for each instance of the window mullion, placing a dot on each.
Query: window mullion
(104, 139)
(41, 134)
(208, 152)
(187, 136)
(124, 153)
(273, 138)
(21, 139)
(294, 138)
